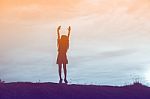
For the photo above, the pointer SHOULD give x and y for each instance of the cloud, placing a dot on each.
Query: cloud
(52, 10)
(36, 10)
(105, 55)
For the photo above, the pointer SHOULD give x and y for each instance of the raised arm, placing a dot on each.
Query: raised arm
(69, 29)
(58, 32)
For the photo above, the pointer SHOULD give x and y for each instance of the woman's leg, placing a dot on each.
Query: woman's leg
(65, 73)
(59, 70)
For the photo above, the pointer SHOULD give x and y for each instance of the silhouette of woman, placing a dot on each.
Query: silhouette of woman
(63, 46)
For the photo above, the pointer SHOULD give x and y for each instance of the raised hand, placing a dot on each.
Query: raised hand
(58, 28)
(58, 32)
(69, 29)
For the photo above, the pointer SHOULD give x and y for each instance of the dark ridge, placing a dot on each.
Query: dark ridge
(48, 90)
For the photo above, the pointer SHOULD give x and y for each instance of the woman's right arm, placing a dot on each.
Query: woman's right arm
(58, 32)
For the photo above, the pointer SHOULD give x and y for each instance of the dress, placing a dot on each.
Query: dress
(62, 58)
(62, 50)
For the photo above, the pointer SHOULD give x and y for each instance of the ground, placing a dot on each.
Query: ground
(27, 90)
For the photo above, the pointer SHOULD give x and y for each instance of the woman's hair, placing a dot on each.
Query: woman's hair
(64, 42)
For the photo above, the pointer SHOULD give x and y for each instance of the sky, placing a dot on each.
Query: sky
(108, 37)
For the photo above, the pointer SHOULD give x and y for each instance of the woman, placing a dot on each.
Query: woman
(63, 46)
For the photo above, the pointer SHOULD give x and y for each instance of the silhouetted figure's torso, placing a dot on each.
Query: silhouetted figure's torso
(63, 45)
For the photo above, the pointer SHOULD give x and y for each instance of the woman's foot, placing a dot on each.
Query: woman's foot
(65, 80)
(60, 81)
